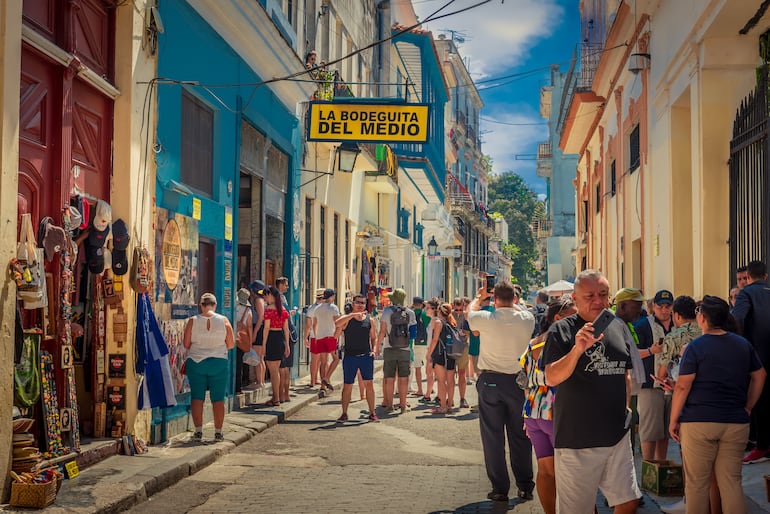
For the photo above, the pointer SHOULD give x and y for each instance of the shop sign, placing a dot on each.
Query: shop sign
(117, 397)
(196, 214)
(369, 123)
(172, 254)
(117, 365)
(228, 224)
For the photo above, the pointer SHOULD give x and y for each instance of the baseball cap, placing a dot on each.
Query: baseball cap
(328, 293)
(417, 299)
(628, 294)
(319, 293)
(258, 287)
(663, 296)
(102, 216)
(397, 296)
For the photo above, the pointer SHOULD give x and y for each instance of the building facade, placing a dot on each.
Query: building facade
(665, 86)
(558, 169)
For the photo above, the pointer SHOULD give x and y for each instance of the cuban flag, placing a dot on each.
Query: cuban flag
(156, 387)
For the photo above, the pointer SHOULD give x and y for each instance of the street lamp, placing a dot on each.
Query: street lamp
(346, 156)
(432, 247)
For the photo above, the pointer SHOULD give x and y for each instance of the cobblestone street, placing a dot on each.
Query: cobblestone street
(415, 462)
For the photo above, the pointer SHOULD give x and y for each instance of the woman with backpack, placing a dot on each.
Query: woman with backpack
(443, 327)
(244, 336)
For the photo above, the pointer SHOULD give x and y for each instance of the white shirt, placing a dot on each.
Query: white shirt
(309, 314)
(504, 336)
(208, 341)
(325, 313)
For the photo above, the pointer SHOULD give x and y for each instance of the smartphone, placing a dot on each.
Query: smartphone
(666, 384)
(603, 321)
(490, 283)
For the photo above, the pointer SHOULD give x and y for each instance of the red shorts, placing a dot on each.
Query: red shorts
(323, 345)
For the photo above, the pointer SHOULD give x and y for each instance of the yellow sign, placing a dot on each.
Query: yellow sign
(228, 225)
(196, 208)
(71, 469)
(172, 254)
(381, 123)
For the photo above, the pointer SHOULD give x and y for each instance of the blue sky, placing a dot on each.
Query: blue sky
(504, 38)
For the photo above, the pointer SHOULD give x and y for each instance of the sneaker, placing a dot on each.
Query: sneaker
(424, 400)
(750, 446)
(342, 418)
(525, 495)
(675, 508)
(197, 436)
(373, 417)
(219, 436)
(469, 382)
(756, 455)
(464, 404)
(327, 385)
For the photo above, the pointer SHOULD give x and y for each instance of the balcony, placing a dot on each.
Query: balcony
(544, 160)
(460, 200)
(541, 229)
(330, 85)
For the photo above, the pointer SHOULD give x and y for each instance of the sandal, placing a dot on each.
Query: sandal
(438, 410)
(272, 403)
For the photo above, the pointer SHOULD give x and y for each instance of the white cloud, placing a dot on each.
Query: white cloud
(499, 35)
(504, 142)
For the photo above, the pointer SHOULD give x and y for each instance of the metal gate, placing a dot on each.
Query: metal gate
(749, 168)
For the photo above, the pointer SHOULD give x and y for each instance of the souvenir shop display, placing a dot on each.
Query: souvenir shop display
(36, 490)
(53, 441)
(152, 359)
(26, 374)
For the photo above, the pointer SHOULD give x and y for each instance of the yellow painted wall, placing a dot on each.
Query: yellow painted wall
(10, 68)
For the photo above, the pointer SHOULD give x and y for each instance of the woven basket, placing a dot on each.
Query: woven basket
(33, 495)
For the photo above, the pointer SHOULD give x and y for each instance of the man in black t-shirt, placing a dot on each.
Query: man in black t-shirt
(591, 414)
(360, 348)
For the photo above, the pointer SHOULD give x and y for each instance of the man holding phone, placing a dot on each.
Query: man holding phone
(591, 369)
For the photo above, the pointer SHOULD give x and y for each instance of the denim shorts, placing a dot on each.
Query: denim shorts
(352, 364)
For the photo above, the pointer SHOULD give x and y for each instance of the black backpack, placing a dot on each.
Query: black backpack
(399, 327)
(452, 341)
(421, 338)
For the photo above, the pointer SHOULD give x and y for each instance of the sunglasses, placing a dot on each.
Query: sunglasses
(697, 310)
(360, 303)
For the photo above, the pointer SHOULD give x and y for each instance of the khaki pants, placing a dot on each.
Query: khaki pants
(718, 447)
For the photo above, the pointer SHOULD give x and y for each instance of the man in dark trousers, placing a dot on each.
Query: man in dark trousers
(752, 312)
(504, 335)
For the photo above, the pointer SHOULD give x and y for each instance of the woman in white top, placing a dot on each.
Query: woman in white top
(207, 338)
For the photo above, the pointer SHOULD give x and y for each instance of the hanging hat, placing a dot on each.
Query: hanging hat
(85, 211)
(119, 261)
(97, 238)
(73, 220)
(102, 215)
(54, 240)
(95, 259)
(120, 237)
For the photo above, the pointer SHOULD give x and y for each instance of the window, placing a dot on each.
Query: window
(347, 244)
(598, 197)
(322, 251)
(613, 179)
(633, 150)
(244, 192)
(308, 245)
(336, 253)
(197, 146)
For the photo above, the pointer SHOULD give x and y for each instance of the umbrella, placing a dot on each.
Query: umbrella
(156, 387)
(562, 286)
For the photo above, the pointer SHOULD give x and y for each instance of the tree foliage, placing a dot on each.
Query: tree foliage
(510, 195)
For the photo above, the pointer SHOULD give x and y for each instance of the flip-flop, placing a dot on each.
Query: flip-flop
(271, 403)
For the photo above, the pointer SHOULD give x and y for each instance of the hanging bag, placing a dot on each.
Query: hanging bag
(26, 374)
(242, 334)
(29, 258)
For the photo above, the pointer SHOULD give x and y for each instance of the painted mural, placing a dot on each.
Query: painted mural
(176, 283)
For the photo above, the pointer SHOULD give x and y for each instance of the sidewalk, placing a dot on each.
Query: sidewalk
(120, 482)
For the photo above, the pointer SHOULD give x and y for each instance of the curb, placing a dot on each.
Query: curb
(122, 482)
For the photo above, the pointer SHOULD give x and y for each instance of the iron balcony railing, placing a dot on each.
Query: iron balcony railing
(541, 229)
